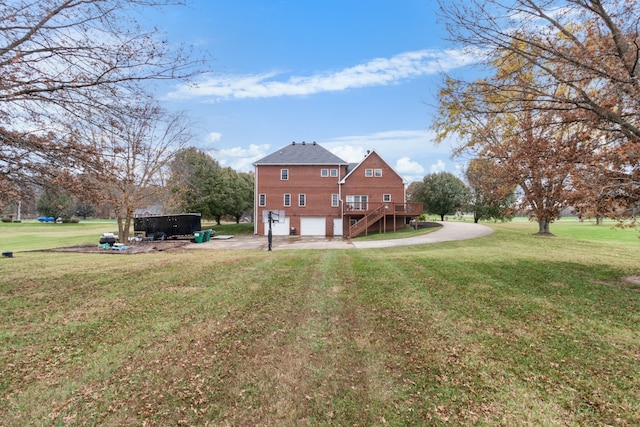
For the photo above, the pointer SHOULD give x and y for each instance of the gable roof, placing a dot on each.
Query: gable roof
(301, 154)
(351, 169)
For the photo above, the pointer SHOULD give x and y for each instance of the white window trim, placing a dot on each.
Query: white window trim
(335, 201)
(368, 173)
(262, 199)
(302, 197)
(377, 173)
(284, 200)
(324, 173)
(357, 202)
(333, 173)
(386, 198)
(284, 172)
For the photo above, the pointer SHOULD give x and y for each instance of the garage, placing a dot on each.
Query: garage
(313, 226)
(277, 228)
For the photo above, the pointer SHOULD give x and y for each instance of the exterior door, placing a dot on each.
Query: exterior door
(337, 226)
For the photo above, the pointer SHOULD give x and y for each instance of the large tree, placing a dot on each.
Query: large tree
(241, 193)
(56, 203)
(57, 57)
(134, 144)
(585, 56)
(442, 193)
(192, 174)
(492, 196)
(530, 144)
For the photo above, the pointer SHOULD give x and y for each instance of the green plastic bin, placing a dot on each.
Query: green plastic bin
(207, 235)
(198, 236)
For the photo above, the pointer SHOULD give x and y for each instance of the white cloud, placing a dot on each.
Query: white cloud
(394, 146)
(406, 166)
(439, 166)
(239, 158)
(214, 136)
(348, 153)
(376, 72)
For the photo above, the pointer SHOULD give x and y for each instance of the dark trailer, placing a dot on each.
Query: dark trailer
(161, 227)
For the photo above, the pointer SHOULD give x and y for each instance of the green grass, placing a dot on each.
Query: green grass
(33, 235)
(242, 229)
(509, 329)
(400, 233)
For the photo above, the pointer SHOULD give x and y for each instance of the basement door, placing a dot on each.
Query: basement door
(337, 226)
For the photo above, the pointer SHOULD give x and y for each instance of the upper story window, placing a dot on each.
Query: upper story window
(324, 173)
(287, 200)
(368, 172)
(302, 200)
(333, 173)
(334, 200)
(262, 200)
(377, 172)
(386, 197)
(284, 174)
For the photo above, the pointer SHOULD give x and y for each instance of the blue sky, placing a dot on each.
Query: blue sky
(352, 75)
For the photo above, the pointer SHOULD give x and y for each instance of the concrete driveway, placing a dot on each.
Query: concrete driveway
(450, 231)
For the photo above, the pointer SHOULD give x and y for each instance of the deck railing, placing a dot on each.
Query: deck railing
(377, 212)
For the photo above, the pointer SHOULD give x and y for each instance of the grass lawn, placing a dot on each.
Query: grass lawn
(33, 235)
(509, 329)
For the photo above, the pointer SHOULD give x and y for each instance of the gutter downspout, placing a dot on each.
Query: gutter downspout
(255, 199)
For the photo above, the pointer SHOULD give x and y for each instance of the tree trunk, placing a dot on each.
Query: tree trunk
(543, 227)
(476, 218)
(441, 217)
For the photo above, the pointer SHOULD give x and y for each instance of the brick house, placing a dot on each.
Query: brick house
(310, 191)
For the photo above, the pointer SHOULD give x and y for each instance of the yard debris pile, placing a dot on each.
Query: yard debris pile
(132, 248)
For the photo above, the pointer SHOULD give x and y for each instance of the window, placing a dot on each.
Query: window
(262, 200)
(368, 172)
(324, 173)
(386, 197)
(333, 173)
(357, 203)
(302, 200)
(334, 200)
(287, 200)
(377, 172)
(284, 174)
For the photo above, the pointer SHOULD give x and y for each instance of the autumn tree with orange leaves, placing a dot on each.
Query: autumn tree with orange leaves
(566, 72)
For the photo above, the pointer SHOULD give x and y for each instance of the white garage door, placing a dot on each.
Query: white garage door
(313, 226)
(277, 228)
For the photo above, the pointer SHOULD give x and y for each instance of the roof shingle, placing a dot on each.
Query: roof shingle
(301, 154)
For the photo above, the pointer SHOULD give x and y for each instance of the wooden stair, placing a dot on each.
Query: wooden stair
(363, 224)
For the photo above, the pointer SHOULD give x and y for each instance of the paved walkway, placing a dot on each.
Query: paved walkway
(450, 231)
